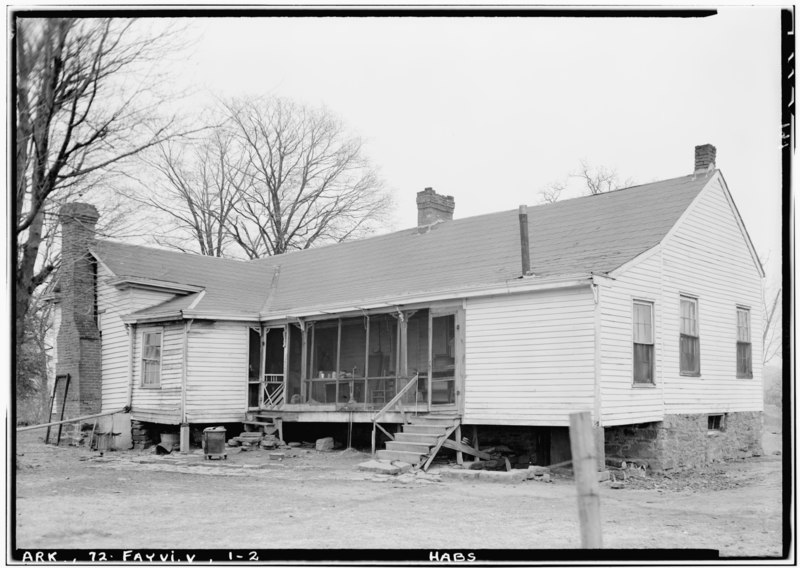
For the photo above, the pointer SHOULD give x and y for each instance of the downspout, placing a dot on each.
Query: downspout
(131, 329)
(187, 325)
(597, 423)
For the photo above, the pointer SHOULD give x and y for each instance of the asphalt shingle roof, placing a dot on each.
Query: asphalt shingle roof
(593, 234)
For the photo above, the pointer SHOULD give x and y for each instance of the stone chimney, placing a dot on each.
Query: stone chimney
(432, 207)
(78, 341)
(705, 158)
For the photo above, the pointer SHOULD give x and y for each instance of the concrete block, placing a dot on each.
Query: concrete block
(402, 466)
(499, 477)
(324, 444)
(463, 474)
(604, 475)
(383, 467)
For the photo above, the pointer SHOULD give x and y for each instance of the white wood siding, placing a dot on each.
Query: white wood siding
(621, 401)
(161, 404)
(112, 304)
(217, 380)
(707, 257)
(529, 357)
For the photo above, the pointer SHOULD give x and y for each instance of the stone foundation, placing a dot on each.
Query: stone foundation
(685, 440)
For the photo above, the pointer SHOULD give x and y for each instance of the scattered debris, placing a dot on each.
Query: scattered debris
(384, 467)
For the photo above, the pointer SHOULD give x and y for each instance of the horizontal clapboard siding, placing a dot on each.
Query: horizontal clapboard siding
(112, 304)
(529, 357)
(707, 257)
(160, 404)
(623, 403)
(217, 380)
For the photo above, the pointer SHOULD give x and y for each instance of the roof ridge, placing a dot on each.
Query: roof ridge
(167, 251)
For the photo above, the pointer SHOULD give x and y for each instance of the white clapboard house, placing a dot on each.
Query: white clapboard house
(640, 305)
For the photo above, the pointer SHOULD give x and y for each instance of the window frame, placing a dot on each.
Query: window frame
(144, 360)
(696, 301)
(651, 305)
(749, 343)
(716, 423)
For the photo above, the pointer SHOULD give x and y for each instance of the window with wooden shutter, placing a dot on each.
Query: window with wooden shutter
(744, 351)
(643, 343)
(689, 337)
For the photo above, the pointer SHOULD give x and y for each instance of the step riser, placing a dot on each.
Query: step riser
(441, 422)
(417, 438)
(408, 447)
(407, 457)
(424, 429)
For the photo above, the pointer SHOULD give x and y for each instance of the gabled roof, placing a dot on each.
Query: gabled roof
(230, 286)
(582, 236)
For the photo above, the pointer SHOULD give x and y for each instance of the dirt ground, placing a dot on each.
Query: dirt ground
(70, 497)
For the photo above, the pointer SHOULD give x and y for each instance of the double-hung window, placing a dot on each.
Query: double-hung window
(744, 353)
(151, 359)
(643, 343)
(690, 337)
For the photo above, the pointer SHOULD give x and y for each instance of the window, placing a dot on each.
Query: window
(716, 422)
(151, 359)
(643, 342)
(690, 337)
(744, 359)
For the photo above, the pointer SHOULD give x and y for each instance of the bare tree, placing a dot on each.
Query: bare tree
(600, 179)
(307, 182)
(80, 108)
(198, 185)
(552, 193)
(592, 180)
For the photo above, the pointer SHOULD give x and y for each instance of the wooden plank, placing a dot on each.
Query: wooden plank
(459, 447)
(78, 419)
(459, 454)
(438, 446)
(475, 440)
(584, 459)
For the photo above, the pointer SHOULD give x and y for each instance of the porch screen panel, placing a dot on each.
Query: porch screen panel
(443, 349)
(352, 359)
(253, 368)
(295, 364)
(418, 353)
(323, 360)
(382, 346)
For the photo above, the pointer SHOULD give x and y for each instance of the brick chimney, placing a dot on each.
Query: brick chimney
(78, 341)
(705, 157)
(432, 207)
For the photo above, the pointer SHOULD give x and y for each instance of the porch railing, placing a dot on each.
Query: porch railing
(397, 399)
(273, 393)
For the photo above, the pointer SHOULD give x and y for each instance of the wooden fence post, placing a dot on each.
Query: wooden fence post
(584, 462)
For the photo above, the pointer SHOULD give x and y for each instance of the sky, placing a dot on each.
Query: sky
(493, 110)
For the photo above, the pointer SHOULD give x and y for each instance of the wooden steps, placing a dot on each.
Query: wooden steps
(266, 422)
(420, 439)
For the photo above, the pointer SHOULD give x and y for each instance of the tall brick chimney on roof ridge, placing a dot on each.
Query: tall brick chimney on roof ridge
(432, 207)
(705, 158)
(78, 342)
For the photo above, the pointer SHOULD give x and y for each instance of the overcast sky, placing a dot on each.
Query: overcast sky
(491, 110)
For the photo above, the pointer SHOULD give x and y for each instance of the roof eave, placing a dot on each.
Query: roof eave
(152, 318)
(520, 285)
